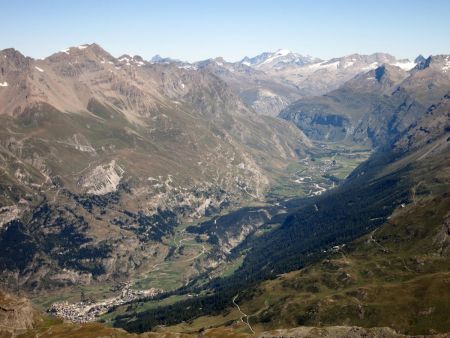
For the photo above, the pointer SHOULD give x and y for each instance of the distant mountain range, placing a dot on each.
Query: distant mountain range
(278, 59)
(272, 80)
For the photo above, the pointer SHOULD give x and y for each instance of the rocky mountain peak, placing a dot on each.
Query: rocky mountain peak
(220, 60)
(166, 60)
(13, 59)
(424, 63)
(420, 59)
(382, 57)
(157, 58)
(436, 63)
(277, 59)
(129, 60)
(389, 73)
(91, 52)
(249, 61)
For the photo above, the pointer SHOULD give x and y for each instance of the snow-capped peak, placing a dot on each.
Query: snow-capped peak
(277, 59)
(278, 54)
(282, 52)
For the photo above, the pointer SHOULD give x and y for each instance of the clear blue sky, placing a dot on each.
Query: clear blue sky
(199, 29)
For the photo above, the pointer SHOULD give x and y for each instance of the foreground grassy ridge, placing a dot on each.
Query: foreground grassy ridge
(48, 327)
(19, 319)
(53, 329)
(65, 330)
(397, 276)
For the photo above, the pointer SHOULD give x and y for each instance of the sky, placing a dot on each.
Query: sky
(198, 29)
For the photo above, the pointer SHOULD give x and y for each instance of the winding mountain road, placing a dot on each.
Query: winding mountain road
(244, 315)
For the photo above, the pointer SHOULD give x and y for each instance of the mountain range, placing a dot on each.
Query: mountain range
(280, 191)
(375, 105)
(272, 80)
(108, 148)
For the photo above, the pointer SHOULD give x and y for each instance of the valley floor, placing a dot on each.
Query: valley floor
(189, 255)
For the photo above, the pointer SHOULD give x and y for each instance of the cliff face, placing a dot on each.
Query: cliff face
(374, 107)
(16, 315)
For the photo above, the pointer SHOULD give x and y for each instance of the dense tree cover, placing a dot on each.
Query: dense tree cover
(16, 247)
(48, 233)
(221, 227)
(320, 223)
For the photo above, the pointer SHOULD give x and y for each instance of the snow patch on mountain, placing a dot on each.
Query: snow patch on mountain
(324, 65)
(188, 67)
(349, 64)
(4, 84)
(279, 53)
(373, 65)
(405, 65)
(446, 64)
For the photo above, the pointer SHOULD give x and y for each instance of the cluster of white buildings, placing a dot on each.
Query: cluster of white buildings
(83, 312)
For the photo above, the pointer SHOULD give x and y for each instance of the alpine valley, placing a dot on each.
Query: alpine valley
(280, 195)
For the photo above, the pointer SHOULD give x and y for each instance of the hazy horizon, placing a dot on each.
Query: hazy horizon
(199, 30)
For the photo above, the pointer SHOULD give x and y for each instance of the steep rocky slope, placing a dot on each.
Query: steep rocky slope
(265, 94)
(373, 107)
(16, 315)
(433, 126)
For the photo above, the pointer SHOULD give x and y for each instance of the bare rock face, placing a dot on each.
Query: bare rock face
(8, 213)
(434, 125)
(375, 107)
(265, 93)
(16, 315)
(103, 179)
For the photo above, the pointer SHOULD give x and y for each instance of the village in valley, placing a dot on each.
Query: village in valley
(88, 311)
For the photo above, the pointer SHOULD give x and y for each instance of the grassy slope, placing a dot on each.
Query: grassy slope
(396, 276)
(48, 327)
